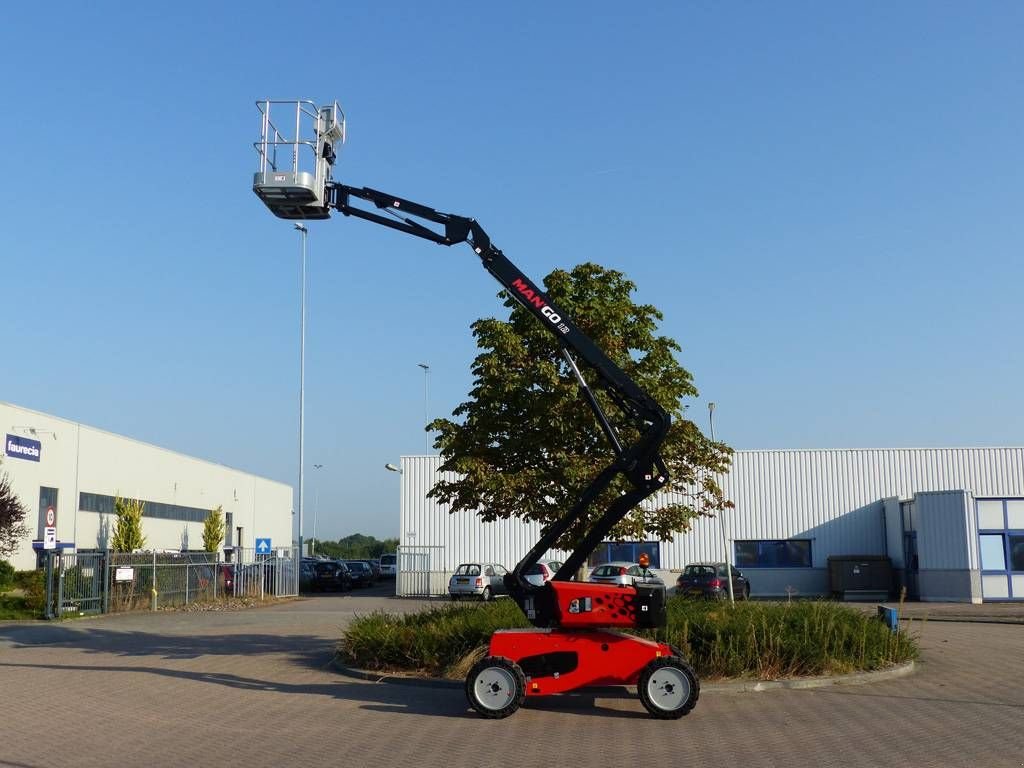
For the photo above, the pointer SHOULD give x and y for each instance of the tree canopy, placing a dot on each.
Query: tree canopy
(356, 546)
(526, 444)
(213, 530)
(127, 525)
(12, 518)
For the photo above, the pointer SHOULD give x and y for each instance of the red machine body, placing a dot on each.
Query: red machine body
(557, 661)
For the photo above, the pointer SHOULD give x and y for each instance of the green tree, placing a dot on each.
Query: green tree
(526, 444)
(12, 518)
(356, 546)
(128, 525)
(213, 530)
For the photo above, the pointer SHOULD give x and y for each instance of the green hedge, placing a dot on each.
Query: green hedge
(6, 576)
(754, 639)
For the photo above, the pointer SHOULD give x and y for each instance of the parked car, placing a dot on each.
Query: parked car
(331, 576)
(307, 575)
(542, 572)
(389, 565)
(362, 574)
(374, 568)
(710, 580)
(483, 580)
(624, 574)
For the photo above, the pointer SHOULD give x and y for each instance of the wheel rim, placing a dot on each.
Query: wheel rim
(494, 688)
(668, 688)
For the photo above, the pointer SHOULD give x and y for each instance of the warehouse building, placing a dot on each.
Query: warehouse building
(67, 476)
(950, 520)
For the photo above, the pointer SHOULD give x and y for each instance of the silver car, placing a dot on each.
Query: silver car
(483, 580)
(623, 574)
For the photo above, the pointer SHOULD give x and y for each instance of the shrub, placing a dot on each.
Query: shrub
(6, 576)
(763, 640)
(34, 585)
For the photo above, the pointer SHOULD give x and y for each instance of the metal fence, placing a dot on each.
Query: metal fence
(117, 581)
(421, 571)
(74, 584)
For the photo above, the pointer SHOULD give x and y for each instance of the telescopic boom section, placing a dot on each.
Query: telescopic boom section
(639, 462)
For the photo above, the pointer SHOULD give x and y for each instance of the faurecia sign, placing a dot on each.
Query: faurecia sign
(23, 448)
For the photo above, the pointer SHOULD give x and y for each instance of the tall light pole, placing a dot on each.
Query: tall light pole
(302, 379)
(721, 516)
(316, 504)
(426, 406)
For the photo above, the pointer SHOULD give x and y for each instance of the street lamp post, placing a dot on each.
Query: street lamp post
(426, 406)
(302, 378)
(721, 516)
(316, 505)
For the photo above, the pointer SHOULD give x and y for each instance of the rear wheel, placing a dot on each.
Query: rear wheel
(486, 595)
(454, 597)
(668, 688)
(746, 591)
(495, 687)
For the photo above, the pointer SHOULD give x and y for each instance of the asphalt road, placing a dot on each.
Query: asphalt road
(255, 688)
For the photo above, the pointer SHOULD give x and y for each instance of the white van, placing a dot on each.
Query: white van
(389, 565)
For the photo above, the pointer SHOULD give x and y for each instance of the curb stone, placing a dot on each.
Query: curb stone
(729, 686)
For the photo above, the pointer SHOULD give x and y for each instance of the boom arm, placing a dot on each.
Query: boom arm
(639, 462)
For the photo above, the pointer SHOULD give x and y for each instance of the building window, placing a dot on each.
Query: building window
(774, 553)
(626, 552)
(98, 502)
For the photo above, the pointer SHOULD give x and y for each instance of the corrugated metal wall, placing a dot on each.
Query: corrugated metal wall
(943, 538)
(834, 497)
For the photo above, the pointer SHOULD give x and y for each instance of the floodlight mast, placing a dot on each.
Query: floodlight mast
(574, 648)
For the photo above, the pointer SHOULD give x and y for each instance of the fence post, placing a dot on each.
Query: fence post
(60, 585)
(186, 583)
(48, 612)
(105, 570)
(152, 589)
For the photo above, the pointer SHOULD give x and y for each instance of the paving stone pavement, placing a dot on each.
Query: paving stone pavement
(254, 688)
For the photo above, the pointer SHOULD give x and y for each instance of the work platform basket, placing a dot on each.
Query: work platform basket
(298, 145)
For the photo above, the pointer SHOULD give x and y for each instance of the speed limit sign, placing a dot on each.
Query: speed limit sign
(51, 517)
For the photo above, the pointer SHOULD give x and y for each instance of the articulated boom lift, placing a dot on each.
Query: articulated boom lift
(576, 640)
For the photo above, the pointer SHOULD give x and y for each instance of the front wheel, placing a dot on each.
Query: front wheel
(495, 687)
(668, 688)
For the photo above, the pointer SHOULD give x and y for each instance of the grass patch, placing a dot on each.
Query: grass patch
(761, 640)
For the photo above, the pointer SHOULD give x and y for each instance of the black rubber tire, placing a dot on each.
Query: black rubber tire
(651, 670)
(515, 696)
(746, 592)
(486, 595)
(454, 597)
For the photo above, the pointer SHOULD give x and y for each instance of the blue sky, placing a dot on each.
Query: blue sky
(823, 199)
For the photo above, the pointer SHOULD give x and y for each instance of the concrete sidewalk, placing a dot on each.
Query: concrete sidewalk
(1011, 613)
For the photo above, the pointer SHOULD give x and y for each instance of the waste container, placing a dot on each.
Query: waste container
(860, 577)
